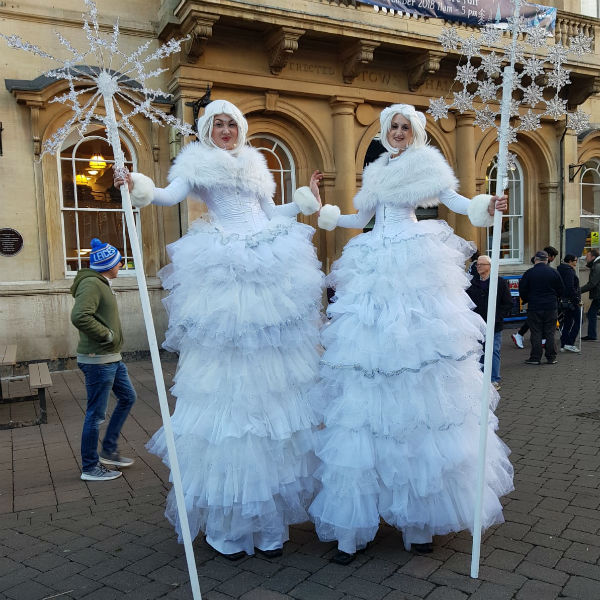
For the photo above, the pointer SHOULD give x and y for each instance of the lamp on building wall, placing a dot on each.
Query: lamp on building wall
(574, 171)
(197, 105)
(97, 162)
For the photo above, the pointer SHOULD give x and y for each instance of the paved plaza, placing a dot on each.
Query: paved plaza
(64, 538)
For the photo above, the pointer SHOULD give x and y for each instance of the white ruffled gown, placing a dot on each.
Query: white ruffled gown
(401, 385)
(244, 311)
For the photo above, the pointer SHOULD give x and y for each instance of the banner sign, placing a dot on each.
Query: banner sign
(473, 12)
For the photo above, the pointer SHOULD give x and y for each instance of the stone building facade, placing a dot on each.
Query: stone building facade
(312, 77)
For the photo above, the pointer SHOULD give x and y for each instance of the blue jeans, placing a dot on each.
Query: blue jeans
(99, 381)
(592, 316)
(495, 356)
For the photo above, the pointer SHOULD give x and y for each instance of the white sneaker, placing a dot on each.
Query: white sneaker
(563, 349)
(572, 349)
(517, 338)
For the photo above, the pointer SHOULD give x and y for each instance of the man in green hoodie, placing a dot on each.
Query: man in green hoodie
(96, 316)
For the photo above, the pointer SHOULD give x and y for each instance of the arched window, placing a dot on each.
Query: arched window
(90, 203)
(281, 164)
(589, 186)
(511, 241)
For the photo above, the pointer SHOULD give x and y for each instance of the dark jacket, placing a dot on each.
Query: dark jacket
(96, 316)
(541, 287)
(479, 293)
(593, 285)
(571, 283)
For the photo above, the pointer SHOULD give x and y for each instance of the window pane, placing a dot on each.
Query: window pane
(511, 238)
(590, 190)
(280, 163)
(91, 204)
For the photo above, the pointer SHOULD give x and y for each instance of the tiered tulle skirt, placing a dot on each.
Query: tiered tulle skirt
(400, 391)
(243, 316)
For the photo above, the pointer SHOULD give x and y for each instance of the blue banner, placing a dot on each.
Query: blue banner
(473, 12)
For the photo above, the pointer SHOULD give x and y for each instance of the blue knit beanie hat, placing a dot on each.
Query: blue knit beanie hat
(103, 256)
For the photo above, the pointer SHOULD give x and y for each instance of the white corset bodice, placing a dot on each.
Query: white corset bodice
(393, 218)
(234, 210)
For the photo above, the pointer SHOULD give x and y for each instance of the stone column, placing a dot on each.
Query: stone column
(189, 211)
(550, 204)
(572, 189)
(465, 172)
(344, 154)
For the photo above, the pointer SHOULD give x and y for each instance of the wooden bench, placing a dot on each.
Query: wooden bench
(8, 357)
(39, 380)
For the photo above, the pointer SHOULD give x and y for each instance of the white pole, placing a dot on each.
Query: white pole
(115, 142)
(507, 80)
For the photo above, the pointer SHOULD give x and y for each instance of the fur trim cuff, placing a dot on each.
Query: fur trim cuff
(478, 211)
(305, 200)
(142, 193)
(329, 217)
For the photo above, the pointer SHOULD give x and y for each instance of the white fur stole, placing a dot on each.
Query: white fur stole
(204, 168)
(415, 178)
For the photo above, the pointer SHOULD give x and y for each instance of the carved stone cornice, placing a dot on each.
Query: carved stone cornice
(200, 29)
(426, 65)
(359, 53)
(281, 44)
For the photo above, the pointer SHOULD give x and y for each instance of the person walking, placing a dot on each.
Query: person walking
(592, 260)
(570, 304)
(96, 315)
(479, 292)
(400, 376)
(518, 338)
(541, 287)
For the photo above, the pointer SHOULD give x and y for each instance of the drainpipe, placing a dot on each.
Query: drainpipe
(561, 228)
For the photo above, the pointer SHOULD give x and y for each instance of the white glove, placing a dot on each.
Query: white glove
(478, 211)
(142, 193)
(306, 201)
(329, 217)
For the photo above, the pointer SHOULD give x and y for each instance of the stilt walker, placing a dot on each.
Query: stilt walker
(519, 88)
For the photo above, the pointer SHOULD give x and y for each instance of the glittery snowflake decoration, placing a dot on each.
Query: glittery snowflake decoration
(118, 83)
(535, 81)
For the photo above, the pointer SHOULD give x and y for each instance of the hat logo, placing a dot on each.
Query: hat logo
(104, 253)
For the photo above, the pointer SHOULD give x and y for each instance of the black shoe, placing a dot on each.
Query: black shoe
(551, 361)
(343, 558)
(530, 361)
(426, 548)
(587, 338)
(234, 556)
(270, 553)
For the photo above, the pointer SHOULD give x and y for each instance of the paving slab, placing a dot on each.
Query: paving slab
(65, 538)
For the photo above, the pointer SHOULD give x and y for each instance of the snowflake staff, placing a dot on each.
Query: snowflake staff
(527, 82)
(120, 94)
